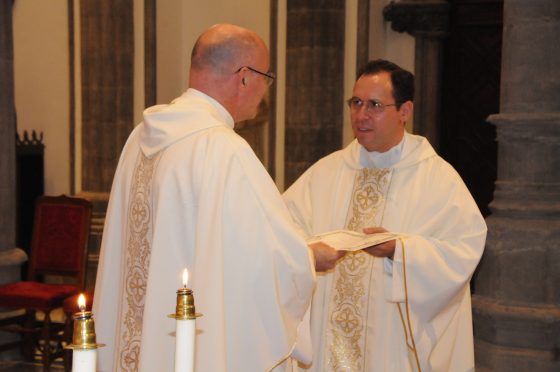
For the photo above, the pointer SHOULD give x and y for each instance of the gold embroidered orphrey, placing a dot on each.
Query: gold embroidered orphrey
(136, 261)
(345, 336)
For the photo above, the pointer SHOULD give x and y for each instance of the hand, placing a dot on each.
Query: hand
(325, 256)
(386, 249)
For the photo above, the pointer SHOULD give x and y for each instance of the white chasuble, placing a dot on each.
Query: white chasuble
(190, 193)
(348, 307)
(136, 263)
(354, 317)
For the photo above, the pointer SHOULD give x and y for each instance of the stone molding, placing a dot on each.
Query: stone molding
(535, 326)
(419, 18)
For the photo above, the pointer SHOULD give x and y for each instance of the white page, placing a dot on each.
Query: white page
(347, 240)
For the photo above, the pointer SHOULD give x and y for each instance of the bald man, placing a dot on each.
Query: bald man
(189, 192)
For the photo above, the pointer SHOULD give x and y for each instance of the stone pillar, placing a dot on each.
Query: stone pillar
(428, 22)
(517, 302)
(362, 54)
(107, 88)
(10, 257)
(107, 66)
(150, 78)
(7, 131)
(314, 83)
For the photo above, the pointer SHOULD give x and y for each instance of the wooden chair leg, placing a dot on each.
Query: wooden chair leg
(46, 336)
(29, 339)
(68, 330)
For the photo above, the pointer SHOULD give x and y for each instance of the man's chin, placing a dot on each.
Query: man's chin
(369, 146)
(363, 140)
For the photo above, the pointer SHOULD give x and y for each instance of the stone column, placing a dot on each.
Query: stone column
(150, 61)
(107, 65)
(517, 302)
(314, 83)
(428, 22)
(7, 131)
(10, 256)
(362, 52)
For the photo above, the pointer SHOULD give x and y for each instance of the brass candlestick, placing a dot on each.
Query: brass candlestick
(83, 337)
(84, 331)
(185, 308)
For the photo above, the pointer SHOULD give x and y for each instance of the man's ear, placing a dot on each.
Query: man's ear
(405, 111)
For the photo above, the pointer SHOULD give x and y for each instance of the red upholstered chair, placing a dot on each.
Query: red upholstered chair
(58, 251)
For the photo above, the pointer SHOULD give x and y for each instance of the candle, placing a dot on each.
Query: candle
(185, 317)
(84, 345)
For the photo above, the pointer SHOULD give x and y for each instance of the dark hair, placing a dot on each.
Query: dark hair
(402, 80)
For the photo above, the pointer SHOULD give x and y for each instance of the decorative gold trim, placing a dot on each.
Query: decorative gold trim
(137, 260)
(368, 197)
(347, 313)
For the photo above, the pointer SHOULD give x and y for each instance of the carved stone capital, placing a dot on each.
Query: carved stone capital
(421, 18)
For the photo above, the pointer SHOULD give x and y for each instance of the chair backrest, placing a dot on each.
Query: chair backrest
(60, 237)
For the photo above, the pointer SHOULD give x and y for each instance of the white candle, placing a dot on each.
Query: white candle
(83, 360)
(184, 330)
(184, 345)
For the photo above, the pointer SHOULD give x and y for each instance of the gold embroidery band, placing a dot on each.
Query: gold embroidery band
(347, 312)
(136, 262)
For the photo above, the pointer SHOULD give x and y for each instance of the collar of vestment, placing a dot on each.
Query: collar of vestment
(374, 159)
(411, 150)
(220, 110)
(192, 112)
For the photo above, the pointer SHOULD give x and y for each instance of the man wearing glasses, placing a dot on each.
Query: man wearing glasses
(403, 305)
(189, 192)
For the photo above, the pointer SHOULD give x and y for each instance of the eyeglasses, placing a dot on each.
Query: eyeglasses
(269, 76)
(372, 106)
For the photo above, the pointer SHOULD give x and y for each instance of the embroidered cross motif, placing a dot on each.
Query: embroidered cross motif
(136, 261)
(351, 287)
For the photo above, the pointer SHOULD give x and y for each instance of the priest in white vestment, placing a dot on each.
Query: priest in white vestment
(403, 305)
(189, 192)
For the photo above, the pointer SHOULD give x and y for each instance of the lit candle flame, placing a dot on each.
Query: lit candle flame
(82, 302)
(185, 277)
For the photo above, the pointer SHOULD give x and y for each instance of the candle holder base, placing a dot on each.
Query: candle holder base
(84, 347)
(185, 317)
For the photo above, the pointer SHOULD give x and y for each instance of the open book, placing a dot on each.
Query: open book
(347, 240)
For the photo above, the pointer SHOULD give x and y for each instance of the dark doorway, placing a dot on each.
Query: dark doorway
(471, 92)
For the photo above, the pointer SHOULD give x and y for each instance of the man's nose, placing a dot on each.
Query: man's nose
(362, 113)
